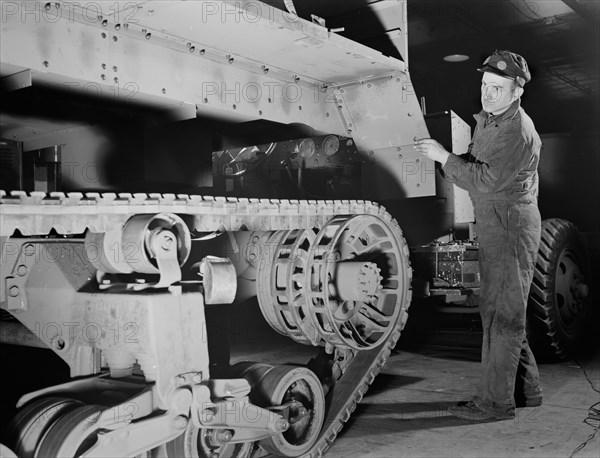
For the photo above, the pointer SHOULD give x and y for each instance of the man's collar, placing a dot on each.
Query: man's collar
(508, 114)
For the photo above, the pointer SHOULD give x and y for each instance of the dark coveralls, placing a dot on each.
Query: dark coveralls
(500, 173)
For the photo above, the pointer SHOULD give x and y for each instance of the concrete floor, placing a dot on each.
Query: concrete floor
(404, 412)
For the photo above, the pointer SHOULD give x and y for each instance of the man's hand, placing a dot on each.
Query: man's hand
(431, 149)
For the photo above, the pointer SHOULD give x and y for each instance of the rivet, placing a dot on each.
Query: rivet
(103, 77)
(148, 36)
(104, 23)
(103, 35)
(45, 63)
(117, 26)
(192, 49)
(104, 66)
(164, 91)
(115, 79)
(115, 38)
(115, 68)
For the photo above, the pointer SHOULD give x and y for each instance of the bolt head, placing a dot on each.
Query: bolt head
(282, 425)
(225, 435)
(181, 422)
(13, 291)
(22, 270)
(208, 415)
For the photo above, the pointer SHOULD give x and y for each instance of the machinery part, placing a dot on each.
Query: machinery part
(297, 394)
(104, 250)
(138, 246)
(207, 443)
(307, 148)
(330, 288)
(74, 213)
(219, 280)
(560, 306)
(5, 452)
(33, 420)
(72, 433)
(331, 145)
(153, 236)
(280, 284)
(245, 160)
(359, 317)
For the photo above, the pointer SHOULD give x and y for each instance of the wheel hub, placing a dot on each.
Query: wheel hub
(341, 287)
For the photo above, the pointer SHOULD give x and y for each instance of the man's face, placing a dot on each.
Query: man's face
(497, 93)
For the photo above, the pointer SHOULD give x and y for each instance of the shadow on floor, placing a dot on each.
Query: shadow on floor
(406, 416)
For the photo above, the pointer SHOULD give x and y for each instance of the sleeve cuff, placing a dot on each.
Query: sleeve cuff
(452, 167)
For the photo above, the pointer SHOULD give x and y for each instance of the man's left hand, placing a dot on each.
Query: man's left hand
(431, 149)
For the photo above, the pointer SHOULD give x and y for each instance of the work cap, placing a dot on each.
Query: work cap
(509, 65)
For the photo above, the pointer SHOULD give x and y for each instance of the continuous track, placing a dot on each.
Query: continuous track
(72, 214)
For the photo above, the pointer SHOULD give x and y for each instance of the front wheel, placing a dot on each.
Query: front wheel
(560, 307)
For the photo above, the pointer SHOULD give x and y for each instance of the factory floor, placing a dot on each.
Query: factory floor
(404, 412)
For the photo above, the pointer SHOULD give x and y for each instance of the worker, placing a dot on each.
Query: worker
(500, 173)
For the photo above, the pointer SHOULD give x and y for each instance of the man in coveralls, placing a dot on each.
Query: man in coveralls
(500, 173)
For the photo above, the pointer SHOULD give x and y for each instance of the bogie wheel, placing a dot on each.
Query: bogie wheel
(72, 434)
(559, 311)
(299, 388)
(33, 420)
(206, 443)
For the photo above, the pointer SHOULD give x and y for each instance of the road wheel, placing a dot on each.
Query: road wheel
(560, 307)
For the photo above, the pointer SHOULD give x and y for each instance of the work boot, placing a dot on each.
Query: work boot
(471, 411)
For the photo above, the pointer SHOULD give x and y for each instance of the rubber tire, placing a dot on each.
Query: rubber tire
(550, 337)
